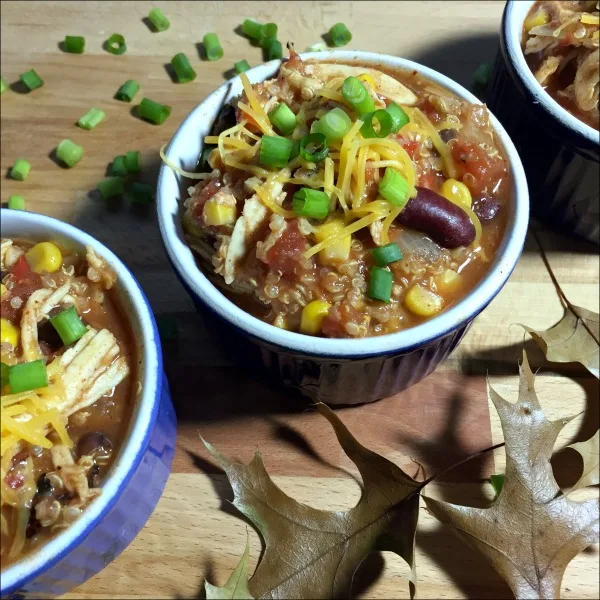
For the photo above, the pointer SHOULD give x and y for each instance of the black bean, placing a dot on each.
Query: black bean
(44, 486)
(95, 444)
(486, 208)
(94, 476)
(448, 134)
(48, 335)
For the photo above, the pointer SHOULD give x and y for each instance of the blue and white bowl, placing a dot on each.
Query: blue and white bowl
(139, 474)
(337, 371)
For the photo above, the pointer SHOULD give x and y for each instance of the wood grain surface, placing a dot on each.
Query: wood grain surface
(195, 533)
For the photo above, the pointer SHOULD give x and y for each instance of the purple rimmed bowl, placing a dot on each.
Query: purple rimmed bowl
(138, 476)
(337, 371)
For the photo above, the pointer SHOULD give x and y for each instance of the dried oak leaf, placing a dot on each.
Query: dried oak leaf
(312, 553)
(589, 453)
(236, 587)
(531, 531)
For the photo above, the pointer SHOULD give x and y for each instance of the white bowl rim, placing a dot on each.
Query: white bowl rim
(182, 257)
(512, 27)
(143, 419)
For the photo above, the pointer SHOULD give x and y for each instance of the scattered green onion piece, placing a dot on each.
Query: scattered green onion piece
(203, 162)
(394, 188)
(295, 149)
(16, 202)
(27, 376)
(339, 35)
(110, 187)
(127, 91)
(31, 80)
(153, 111)
(115, 44)
(158, 20)
(241, 66)
(274, 50)
(482, 74)
(252, 29)
(183, 70)
(313, 147)
(3, 374)
(141, 193)
(75, 44)
(133, 161)
(268, 35)
(283, 118)
(384, 121)
(497, 482)
(334, 125)
(380, 284)
(310, 203)
(68, 325)
(212, 46)
(355, 93)
(20, 170)
(317, 47)
(69, 152)
(385, 255)
(275, 151)
(117, 167)
(3, 85)
(91, 118)
(399, 117)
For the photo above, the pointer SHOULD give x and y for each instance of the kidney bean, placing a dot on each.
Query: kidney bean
(448, 134)
(95, 444)
(486, 208)
(440, 219)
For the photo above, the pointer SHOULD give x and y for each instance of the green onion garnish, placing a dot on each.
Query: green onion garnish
(283, 118)
(295, 149)
(313, 147)
(274, 50)
(3, 85)
(334, 125)
(16, 202)
(385, 255)
(394, 188)
(133, 161)
(115, 44)
(212, 46)
(31, 80)
(153, 111)
(310, 203)
(127, 91)
(183, 70)
(68, 325)
(158, 20)
(3, 374)
(20, 169)
(355, 93)
(268, 34)
(399, 117)
(252, 29)
(384, 124)
(141, 193)
(91, 118)
(75, 44)
(275, 151)
(203, 164)
(339, 35)
(117, 167)
(482, 74)
(110, 187)
(317, 47)
(69, 152)
(241, 66)
(27, 376)
(380, 284)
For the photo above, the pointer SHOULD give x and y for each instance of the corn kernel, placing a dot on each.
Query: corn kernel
(448, 280)
(336, 252)
(2, 289)
(457, 192)
(423, 302)
(9, 334)
(368, 80)
(44, 256)
(540, 18)
(312, 316)
(216, 213)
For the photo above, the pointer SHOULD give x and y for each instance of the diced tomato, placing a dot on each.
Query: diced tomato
(486, 170)
(409, 145)
(431, 180)
(20, 268)
(284, 254)
(22, 288)
(14, 479)
(207, 192)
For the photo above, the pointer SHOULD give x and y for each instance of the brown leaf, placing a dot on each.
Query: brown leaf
(314, 553)
(236, 587)
(531, 531)
(589, 453)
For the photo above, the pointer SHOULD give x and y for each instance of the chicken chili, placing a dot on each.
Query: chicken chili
(344, 201)
(561, 44)
(66, 390)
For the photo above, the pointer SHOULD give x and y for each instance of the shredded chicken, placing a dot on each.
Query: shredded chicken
(99, 270)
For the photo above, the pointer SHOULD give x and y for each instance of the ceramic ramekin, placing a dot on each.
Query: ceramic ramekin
(337, 371)
(560, 153)
(139, 474)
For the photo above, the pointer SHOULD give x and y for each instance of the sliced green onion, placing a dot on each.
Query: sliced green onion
(110, 187)
(127, 91)
(274, 50)
(158, 20)
(497, 482)
(317, 47)
(283, 118)
(313, 147)
(385, 255)
(141, 193)
(482, 74)
(31, 80)
(68, 325)
(295, 149)
(16, 202)
(115, 44)
(380, 284)
(339, 35)
(3, 85)
(275, 151)
(20, 169)
(212, 46)
(75, 44)
(355, 93)
(334, 125)
(153, 111)
(3, 374)
(399, 117)
(91, 118)
(384, 121)
(394, 188)
(27, 376)
(268, 35)
(252, 29)
(133, 161)
(117, 167)
(183, 70)
(203, 162)
(241, 66)
(69, 152)
(310, 203)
